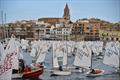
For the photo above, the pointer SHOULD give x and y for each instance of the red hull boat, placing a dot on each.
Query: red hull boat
(33, 73)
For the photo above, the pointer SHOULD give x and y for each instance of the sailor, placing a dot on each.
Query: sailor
(93, 53)
(21, 65)
(41, 65)
(60, 68)
(93, 71)
(74, 51)
(33, 66)
(27, 68)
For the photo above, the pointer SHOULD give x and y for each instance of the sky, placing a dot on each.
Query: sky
(108, 10)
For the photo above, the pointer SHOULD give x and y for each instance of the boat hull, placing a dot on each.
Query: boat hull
(98, 73)
(33, 74)
(30, 74)
(61, 73)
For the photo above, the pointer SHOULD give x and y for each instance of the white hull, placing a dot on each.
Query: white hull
(61, 73)
(89, 74)
(14, 76)
(77, 71)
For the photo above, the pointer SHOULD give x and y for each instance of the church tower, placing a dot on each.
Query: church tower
(66, 14)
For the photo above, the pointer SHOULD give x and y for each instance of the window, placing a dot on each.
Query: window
(112, 39)
(107, 38)
(117, 39)
(87, 27)
(91, 30)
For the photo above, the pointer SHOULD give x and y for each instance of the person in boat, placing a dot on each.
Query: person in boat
(74, 51)
(27, 68)
(60, 68)
(93, 71)
(93, 53)
(33, 65)
(36, 65)
(21, 65)
(41, 65)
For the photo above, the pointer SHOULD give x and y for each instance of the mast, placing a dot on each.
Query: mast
(67, 52)
(52, 55)
(91, 59)
(91, 51)
(91, 55)
(5, 25)
(118, 55)
(119, 60)
(2, 24)
(75, 34)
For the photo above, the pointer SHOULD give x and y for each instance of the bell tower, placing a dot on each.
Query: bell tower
(66, 14)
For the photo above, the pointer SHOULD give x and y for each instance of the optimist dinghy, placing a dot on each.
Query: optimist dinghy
(95, 73)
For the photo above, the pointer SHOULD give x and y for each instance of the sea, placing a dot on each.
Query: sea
(97, 63)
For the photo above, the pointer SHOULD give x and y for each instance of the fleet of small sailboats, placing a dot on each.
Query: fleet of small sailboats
(10, 62)
(83, 59)
(83, 51)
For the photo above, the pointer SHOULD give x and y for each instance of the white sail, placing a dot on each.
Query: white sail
(33, 52)
(55, 59)
(60, 48)
(61, 51)
(111, 56)
(55, 62)
(70, 47)
(43, 49)
(1, 50)
(6, 75)
(8, 60)
(83, 56)
(65, 59)
(21, 56)
(15, 64)
(96, 47)
(24, 44)
(65, 52)
(41, 57)
(100, 46)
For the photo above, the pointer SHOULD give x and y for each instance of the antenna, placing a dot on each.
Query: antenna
(2, 16)
(5, 25)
